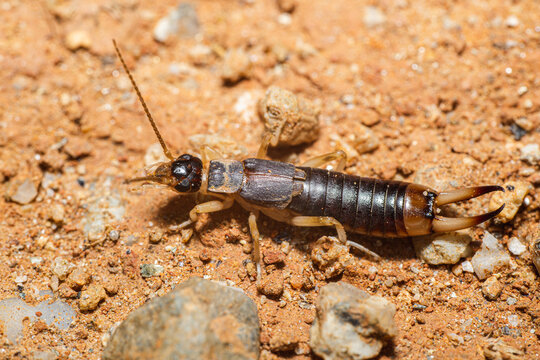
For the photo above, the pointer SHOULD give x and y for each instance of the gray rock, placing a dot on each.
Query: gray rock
(199, 319)
(445, 248)
(350, 324)
(14, 311)
(182, 20)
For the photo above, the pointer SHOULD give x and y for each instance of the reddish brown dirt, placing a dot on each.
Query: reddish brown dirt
(444, 79)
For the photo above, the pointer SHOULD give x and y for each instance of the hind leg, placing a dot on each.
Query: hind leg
(326, 158)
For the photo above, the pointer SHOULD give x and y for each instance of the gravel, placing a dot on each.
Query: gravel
(180, 21)
(445, 248)
(199, 319)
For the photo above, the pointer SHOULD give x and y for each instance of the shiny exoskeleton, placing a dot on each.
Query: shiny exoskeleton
(309, 196)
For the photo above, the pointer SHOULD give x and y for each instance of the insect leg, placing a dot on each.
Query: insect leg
(265, 142)
(330, 221)
(255, 235)
(207, 207)
(326, 158)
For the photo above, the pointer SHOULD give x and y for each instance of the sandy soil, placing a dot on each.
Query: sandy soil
(451, 90)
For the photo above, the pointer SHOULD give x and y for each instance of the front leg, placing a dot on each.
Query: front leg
(206, 207)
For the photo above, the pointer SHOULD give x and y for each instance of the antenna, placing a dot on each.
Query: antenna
(165, 149)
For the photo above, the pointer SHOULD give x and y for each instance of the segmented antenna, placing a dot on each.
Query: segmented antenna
(165, 149)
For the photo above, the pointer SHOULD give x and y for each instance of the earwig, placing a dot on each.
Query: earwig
(310, 196)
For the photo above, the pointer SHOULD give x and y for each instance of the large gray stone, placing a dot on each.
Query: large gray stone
(199, 319)
(350, 324)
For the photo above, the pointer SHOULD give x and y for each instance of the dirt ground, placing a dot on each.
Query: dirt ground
(450, 89)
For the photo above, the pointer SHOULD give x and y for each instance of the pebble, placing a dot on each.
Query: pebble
(467, 266)
(61, 268)
(446, 248)
(350, 324)
(513, 196)
(114, 235)
(77, 148)
(330, 256)
(199, 319)
(512, 21)
(491, 288)
(236, 66)
(149, 270)
(531, 154)
(291, 119)
(78, 39)
(369, 117)
(511, 301)
(182, 20)
(14, 311)
(155, 236)
(21, 191)
(154, 154)
(57, 213)
(490, 258)
(373, 16)
(91, 297)
(516, 247)
(272, 285)
(78, 278)
(287, 6)
(496, 349)
(273, 257)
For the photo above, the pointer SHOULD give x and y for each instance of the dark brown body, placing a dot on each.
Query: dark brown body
(363, 205)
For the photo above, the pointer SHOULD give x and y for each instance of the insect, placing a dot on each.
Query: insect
(308, 195)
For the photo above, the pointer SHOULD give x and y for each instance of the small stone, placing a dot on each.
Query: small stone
(290, 119)
(113, 235)
(491, 288)
(53, 159)
(199, 319)
(57, 213)
(78, 278)
(182, 20)
(66, 292)
(110, 285)
(91, 297)
(496, 349)
(511, 300)
(490, 258)
(19, 280)
(200, 54)
(456, 339)
(78, 39)
(330, 256)
(531, 154)
(273, 257)
(350, 324)
(467, 266)
(369, 117)
(512, 21)
(154, 154)
(272, 285)
(77, 148)
(236, 66)
(373, 16)
(61, 268)
(22, 191)
(155, 236)
(287, 6)
(149, 270)
(513, 196)
(516, 247)
(446, 248)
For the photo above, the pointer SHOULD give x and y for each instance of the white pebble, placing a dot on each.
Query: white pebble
(21, 279)
(373, 16)
(467, 266)
(512, 21)
(516, 247)
(490, 257)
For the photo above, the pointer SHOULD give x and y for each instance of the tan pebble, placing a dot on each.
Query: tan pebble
(21, 191)
(53, 159)
(330, 256)
(66, 292)
(155, 236)
(236, 66)
(286, 5)
(77, 148)
(512, 197)
(272, 285)
(369, 117)
(40, 326)
(111, 286)
(57, 213)
(296, 282)
(62, 268)
(91, 297)
(491, 288)
(251, 269)
(290, 119)
(78, 39)
(78, 278)
(204, 255)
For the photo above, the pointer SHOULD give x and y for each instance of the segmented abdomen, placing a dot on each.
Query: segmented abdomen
(364, 205)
